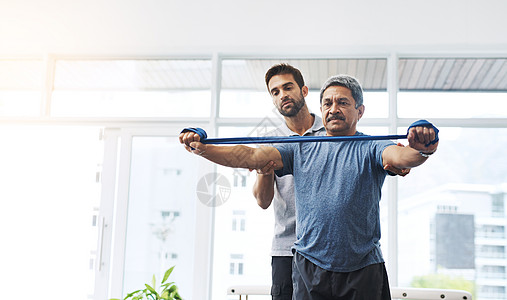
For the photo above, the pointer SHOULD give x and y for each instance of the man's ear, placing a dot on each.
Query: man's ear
(360, 111)
(304, 90)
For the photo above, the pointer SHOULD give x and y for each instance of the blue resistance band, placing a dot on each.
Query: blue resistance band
(297, 139)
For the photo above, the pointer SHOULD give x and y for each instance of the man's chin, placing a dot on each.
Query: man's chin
(289, 112)
(334, 130)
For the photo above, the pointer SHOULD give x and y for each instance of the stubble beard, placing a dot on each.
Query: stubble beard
(297, 106)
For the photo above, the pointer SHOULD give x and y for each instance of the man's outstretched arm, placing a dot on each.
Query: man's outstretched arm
(231, 156)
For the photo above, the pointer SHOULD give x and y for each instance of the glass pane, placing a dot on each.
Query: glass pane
(452, 105)
(132, 88)
(243, 230)
(246, 104)
(21, 84)
(452, 215)
(161, 214)
(50, 200)
(130, 104)
(244, 92)
(453, 74)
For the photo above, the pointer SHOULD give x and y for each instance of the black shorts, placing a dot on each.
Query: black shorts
(281, 274)
(314, 283)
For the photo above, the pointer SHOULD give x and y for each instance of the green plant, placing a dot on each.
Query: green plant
(168, 290)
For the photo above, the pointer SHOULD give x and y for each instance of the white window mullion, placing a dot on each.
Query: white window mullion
(392, 210)
(48, 80)
(216, 83)
(120, 218)
(106, 212)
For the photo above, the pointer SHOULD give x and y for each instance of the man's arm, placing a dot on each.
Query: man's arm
(419, 139)
(264, 189)
(395, 171)
(235, 156)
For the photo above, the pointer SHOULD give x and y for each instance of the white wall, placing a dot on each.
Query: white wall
(161, 27)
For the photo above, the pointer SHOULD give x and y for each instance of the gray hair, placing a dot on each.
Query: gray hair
(346, 81)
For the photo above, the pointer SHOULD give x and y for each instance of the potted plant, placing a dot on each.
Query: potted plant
(167, 290)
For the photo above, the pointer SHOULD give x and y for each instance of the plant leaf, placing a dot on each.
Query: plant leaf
(151, 289)
(173, 288)
(177, 296)
(168, 290)
(167, 273)
(154, 282)
(130, 295)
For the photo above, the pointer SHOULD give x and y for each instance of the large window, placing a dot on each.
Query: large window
(132, 88)
(48, 213)
(244, 93)
(243, 231)
(161, 213)
(450, 223)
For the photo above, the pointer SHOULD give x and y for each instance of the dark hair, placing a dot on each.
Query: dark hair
(282, 69)
(346, 81)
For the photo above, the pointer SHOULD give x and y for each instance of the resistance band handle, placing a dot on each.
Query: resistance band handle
(425, 123)
(202, 134)
(199, 131)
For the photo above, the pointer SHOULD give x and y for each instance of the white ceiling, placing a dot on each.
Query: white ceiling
(163, 27)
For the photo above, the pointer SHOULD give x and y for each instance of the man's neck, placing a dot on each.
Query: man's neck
(349, 132)
(301, 122)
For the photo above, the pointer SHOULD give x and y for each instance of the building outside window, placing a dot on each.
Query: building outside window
(236, 265)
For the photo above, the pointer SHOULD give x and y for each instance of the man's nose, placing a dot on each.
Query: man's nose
(335, 108)
(283, 94)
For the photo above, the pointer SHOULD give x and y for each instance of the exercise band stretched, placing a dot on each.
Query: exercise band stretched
(298, 139)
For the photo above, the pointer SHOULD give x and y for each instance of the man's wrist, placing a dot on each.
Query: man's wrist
(427, 154)
(264, 174)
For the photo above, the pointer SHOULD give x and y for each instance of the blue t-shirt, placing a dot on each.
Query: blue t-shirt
(338, 188)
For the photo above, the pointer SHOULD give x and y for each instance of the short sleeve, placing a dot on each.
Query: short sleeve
(378, 149)
(287, 153)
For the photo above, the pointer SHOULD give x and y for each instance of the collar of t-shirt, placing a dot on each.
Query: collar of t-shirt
(317, 126)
